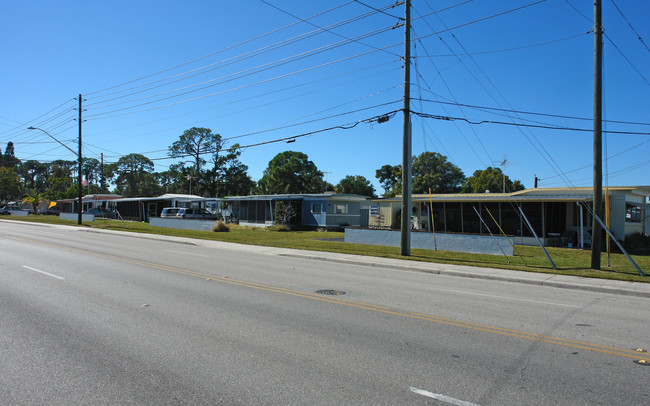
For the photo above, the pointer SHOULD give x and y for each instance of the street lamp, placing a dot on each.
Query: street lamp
(79, 160)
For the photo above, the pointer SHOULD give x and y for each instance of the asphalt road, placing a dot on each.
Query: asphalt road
(105, 319)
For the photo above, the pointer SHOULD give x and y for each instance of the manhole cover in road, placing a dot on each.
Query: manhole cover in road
(330, 292)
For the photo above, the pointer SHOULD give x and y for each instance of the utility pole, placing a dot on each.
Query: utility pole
(598, 143)
(405, 234)
(102, 179)
(79, 196)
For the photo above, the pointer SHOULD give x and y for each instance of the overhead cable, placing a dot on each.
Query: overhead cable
(547, 127)
(631, 27)
(529, 112)
(229, 61)
(242, 74)
(328, 30)
(213, 53)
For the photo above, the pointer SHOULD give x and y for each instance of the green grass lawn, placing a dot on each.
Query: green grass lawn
(532, 259)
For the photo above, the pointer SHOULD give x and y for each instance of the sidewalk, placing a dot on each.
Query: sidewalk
(531, 278)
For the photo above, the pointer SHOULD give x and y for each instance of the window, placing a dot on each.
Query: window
(341, 208)
(374, 210)
(316, 208)
(632, 213)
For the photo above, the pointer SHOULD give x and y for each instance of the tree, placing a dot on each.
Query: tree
(9, 159)
(490, 179)
(60, 179)
(433, 170)
(390, 179)
(429, 170)
(195, 143)
(290, 172)
(284, 213)
(35, 175)
(356, 185)
(236, 181)
(10, 187)
(91, 170)
(226, 172)
(134, 175)
(35, 200)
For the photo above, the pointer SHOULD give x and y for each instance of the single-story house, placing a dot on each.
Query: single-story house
(143, 208)
(87, 201)
(329, 210)
(137, 208)
(558, 215)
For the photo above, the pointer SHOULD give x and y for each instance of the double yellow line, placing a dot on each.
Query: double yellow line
(637, 355)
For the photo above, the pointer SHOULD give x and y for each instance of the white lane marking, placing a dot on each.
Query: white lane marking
(187, 253)
(43, 272)
(507, 298)
(442, 398)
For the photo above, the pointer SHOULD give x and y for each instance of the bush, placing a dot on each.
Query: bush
(220, 227)
(637, 244)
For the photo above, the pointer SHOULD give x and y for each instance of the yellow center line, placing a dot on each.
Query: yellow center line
(621, 352)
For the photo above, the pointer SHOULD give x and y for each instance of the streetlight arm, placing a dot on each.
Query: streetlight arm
(49, 135)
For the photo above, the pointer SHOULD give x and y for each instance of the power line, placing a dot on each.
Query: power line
(213, 53)
(234, 59)
(99, 115)
(530, 112)
(242, 74)
(24, 125)
(513, 48)
(258, 96)
(310, 121)
(547, 127)
(622, 171)
(328, 30)
(398, 3)
(579, 12)
(480, 19)
(296, 125)
(631, 27)
(454, 97)
(382, 118)
(322, 49)
(626, 58)
(612, 41)
(538, 146)
(606, 159)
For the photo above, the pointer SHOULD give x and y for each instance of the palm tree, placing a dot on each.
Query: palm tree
(35, 200)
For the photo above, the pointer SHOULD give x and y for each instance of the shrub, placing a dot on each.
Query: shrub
(220, 227)
(637, 243)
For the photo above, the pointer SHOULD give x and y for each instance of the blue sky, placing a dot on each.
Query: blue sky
(256, 71)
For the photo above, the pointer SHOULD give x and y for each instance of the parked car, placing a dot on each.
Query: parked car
(195, 213)
(100, 212)
(6, 210)
(169, 212)
(52, 211)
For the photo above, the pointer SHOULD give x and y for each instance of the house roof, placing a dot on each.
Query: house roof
(105, 196)
(537, 194)
(299, 197)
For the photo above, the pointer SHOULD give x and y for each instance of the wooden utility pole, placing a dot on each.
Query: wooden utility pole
(102, 179)
(405, 234)
(80, 189)
(598, 143)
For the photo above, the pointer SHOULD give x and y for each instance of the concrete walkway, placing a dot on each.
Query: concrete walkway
(533, 278)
